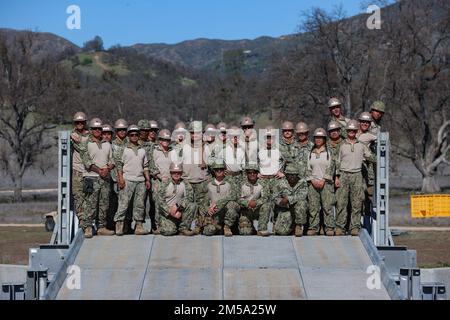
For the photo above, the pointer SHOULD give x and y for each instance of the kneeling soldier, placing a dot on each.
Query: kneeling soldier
(289, 194)
(254, 204)
(220, 207)
(133, 181)
(176, 204)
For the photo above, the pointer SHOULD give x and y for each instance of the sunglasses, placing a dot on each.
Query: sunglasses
(133, 135)
(247, 127)
(121, 130)
(97, 129)
(79, 122)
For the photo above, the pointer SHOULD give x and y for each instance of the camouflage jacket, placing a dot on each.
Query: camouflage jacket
(303, 154)
(282, 189)
(170, 193)
(220, 194)
(248, 192)
(289, 151)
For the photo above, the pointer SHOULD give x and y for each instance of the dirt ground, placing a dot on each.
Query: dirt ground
(16, 241)
(433, 247)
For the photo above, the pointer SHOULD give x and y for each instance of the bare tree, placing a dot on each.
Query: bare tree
(33, 96)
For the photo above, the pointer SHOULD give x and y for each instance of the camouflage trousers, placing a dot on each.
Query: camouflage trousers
(352, 187)
(368, 172)
(301, 207)
(283, 220)
(200, 194)
(96, 202)
(134, 191)
(321, 199)
(78, 194)
(228, 215)
(247, 217)
(170, 226)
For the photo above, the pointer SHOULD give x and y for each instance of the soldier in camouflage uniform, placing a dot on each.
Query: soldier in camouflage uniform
(220, 144)
(253, 200)
(97, 159)
(288, 144)
(288, 195)
(335, 107)
(133, 181)
(377, 111)
(179, 137)
(220, 207)
(176, 205)
(107, 134)
(78, 136)
(321, 169)
(350, 181)
(250, 143)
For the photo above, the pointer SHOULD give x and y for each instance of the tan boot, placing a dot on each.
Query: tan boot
(298, 231)
(197, 230)
(88, 233)
(311, 233)
(264, 233)
(355, 232)
(330, 233)
(139, 230)
(187, 232)
(227, 231)
(156, 231)
(119, 228)
(104, 232)
(339, 232)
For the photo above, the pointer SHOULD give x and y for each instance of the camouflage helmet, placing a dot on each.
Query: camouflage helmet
(365, 116)
(301, 127)
(252, 166)
(333, 125)
(218, 165)
(222, 126)
(291, 169)
(333, 102)
(352, 125)
(195, 126)
(287, 125)
(378, 106)
(176, 167)
(121, 124)
(247, 121)
(144, 124)
(320, 133)
(164, 134)
(79, 116)
(153, 124)
(107, 128)
(133, 128)
(95, 123)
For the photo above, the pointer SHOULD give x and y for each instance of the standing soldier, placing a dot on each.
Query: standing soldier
(271, 162)
(179, 136)
(98, 161)
(321, 168)
(250, 140)
(220, 207)
(220, 144)
(253, 200)
(153, 134)
(209, 138)
(107, 134)
(288, 194)
(78, 136)
(121, 127)
(288, 144)
(234, 157)
(350, 180)
(133, 181)
(335, 139)
(335, 107)
(377, 111)
(175, 200)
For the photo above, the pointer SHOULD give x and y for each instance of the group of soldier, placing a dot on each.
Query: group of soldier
(221, 179)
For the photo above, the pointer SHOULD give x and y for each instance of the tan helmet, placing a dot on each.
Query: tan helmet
(176, 167)
(164, 134)
(195, 126)
(95, 123)
(334, 102)
(153, 124)
(365, 116)
(247, 121)
(234, 131)
(320, 132)
(210, 129)
(132, 128)
(222, 126)
(301, 127)
(333, 125)
(107, 128)
(180, 126)
(79, 116)
(270, 131)
(287, 125)
(352, 125)
(121, 124)
(378, 106)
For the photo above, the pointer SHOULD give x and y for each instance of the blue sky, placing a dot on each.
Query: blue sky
(128, 22)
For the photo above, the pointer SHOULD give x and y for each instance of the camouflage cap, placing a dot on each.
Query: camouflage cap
(95, 123)
(121, 124)
(287, 125)
(133, 128)
(176, 167)
(333, 102)
(247, 121)
(352, 125)
(107, 128)
(301, 127)
(365, 116)
(79, 116)
(333, 125)
(144, 124)
(291, 169)
(195, 126)
(320, 132)
(251, 166)
(153, 124)
(164, 134)
(218, 165)
(378, 106)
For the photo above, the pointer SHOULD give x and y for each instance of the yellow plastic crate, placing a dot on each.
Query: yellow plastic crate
(430, 206)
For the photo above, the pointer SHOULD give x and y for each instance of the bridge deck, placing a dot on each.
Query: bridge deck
(203, 268)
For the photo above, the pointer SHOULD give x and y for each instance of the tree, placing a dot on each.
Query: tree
(34, 94)
(95, 44)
